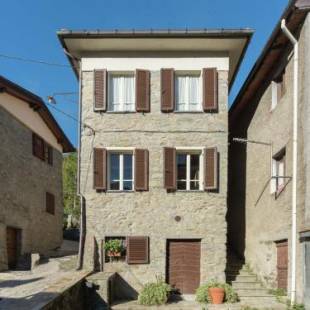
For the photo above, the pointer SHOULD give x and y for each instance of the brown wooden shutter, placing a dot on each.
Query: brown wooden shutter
(49, 155)
(100, 89)
(141, 170)
(137, 250)
(38, 146)
(142, 90)
(210, 90)
(211, 168)
(167, 90)
(100, 167)
(50, 203)
(169, 168)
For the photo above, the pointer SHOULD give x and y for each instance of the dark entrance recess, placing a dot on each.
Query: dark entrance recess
(13, 236)
(183, 265)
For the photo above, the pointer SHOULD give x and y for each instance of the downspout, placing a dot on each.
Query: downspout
(295, 157)
(82, 202)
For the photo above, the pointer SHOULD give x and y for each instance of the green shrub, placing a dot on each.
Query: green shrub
(202, 293)
(296, 307)
(114, 245)
(156, 293)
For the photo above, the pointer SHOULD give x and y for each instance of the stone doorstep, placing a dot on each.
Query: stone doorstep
(192, 305)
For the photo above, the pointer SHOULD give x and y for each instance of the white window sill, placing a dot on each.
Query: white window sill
(119, 191)
(190, 191)
(175, 111)
(120, 112)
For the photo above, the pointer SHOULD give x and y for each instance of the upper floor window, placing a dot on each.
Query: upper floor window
(188, 171)
(278, 172)
(120, 171)
(41, 149)
(278, 89)
(50, 203)
(187, 92)
(121, 92)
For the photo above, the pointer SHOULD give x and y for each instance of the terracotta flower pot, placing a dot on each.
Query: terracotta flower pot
(114, 254)
(217, 295)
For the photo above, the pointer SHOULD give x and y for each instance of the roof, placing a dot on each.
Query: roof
(294, 14)
(38, 105)
(82, 42)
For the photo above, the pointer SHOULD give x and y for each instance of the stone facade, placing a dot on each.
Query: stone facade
(25, 179)
(257, 218)
(152, 213)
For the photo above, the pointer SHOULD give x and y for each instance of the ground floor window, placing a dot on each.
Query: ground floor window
(189, 170)
(120, 172)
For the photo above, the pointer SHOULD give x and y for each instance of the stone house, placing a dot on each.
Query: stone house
(260, 168)
(32, 146)
(153, 149)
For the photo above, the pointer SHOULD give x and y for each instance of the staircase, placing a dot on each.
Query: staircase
(250, 291)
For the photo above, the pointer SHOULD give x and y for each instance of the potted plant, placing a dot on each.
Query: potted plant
(114, 248)
(216, 293)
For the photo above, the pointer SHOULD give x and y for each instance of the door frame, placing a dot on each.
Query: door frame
(167, 252)
(18, 244)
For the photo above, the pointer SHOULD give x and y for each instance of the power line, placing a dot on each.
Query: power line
(42, 62)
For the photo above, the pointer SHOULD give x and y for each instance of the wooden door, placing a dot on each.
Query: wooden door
(282, 264)
(12, 246)
(183, 265)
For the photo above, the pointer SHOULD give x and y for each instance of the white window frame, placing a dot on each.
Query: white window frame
(187, 104)
(121, 152)
(109, 88)
(274, 185)
(188, 152)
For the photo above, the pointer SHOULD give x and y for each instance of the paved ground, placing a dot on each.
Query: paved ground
(27, 289)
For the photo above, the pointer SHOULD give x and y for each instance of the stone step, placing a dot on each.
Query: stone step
(242, 278)
(238, 272)
(256, 292)
(245, 285)
(254, 300)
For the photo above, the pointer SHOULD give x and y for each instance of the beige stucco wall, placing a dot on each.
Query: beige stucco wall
(152, 213)
(267, 218)
(24, 180)
(27, 116)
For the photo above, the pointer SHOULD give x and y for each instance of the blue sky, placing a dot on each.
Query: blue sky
(29, 31)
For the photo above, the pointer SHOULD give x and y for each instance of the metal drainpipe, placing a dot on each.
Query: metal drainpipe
(295, 156)
(82, 232)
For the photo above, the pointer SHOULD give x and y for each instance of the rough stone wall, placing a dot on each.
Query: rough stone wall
(268, 219)
(152, 213)
(24, 180)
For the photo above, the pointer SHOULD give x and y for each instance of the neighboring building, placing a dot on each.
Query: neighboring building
(153, 149)
(31, 206)
(260, 201)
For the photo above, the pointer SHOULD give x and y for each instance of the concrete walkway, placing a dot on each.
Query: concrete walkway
(32, 289)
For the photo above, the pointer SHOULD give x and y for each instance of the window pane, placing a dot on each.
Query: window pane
(181, 166)
(121, 95)
(194, 185)
(180, 92)
(181, 185)
(128, 92)
(127, 185)
(114, 171)
(193, 92)
(127, 166)
(194, 170)
(114, 185)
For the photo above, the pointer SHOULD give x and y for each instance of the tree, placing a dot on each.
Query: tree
(71, 200)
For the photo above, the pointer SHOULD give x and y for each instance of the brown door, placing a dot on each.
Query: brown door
(282, 264)
(183, 265)
(12, 246)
